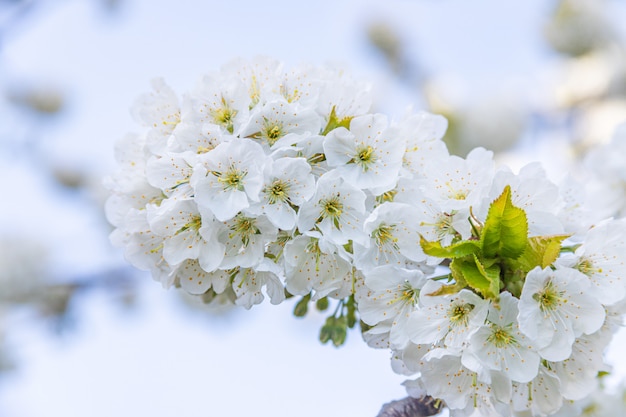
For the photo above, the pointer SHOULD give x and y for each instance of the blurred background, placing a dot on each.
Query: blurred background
(83, 334)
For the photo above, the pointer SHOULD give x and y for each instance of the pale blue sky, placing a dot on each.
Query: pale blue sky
(161, 360)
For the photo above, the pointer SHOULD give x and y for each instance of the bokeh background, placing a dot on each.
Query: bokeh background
(83, 334)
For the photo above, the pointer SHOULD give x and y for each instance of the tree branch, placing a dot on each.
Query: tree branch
(412, 407)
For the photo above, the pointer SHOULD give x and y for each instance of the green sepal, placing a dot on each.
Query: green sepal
(302, 307)
(322, 304)
(506, 229)
(335, 329)
(455, 250)
(334, 122)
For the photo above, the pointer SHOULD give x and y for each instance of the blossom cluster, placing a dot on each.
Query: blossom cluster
(267, 181)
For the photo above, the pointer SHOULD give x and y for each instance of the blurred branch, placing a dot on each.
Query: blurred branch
(412, 407)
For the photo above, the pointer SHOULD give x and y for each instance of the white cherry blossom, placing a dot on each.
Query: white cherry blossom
(449, 318)
(313, 264)
(555, 307)
(393, 237)
(602, 258)
(457, 183)
(390, 293)
(337, 209)
(499, 345)
(369, 155)
(289, 185)
(160, 111)
(230, 177)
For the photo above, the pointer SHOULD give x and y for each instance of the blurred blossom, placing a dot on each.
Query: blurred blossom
(43, 100)
(23, 268)
(579, 26)
(593, 76)
(495, 120)
(605, 173)
(5, 359)
(583, 79)
(597, 121)
(383, 37)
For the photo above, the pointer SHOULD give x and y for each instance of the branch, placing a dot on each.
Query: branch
(412, 407)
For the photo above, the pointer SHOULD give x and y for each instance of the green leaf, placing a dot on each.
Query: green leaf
(490, 270)
(540, 251)
(456, 250)
(506, 229)
(485, 281)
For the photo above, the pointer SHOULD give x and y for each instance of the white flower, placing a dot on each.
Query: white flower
(313, 264)
(245, 239)
(422, 135)
(248, 282)
(228, 178)
(541, 396)
(259, 77)
(575, 215)
(289, 185)
(500, 346)
(433, 222)
(218, 99)
(188, 233)
(578, 373)
(171, 173)
(198, 137)
(369, 155)
(408, 360)
(449, 318)
(602, 258)
(142, 247)
(456, 183)
(279, 123)
(393, 237)
(555, 307)
(160, 111)
(195, 280)
(390, 293)
(302, 85)
(342, 95)
(337, 209)
(129, 186)
(443, 376)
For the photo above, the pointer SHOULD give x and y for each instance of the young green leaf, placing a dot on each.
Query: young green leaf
(506, 229)
(456, 250)
(540, 251)
(485, 281)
